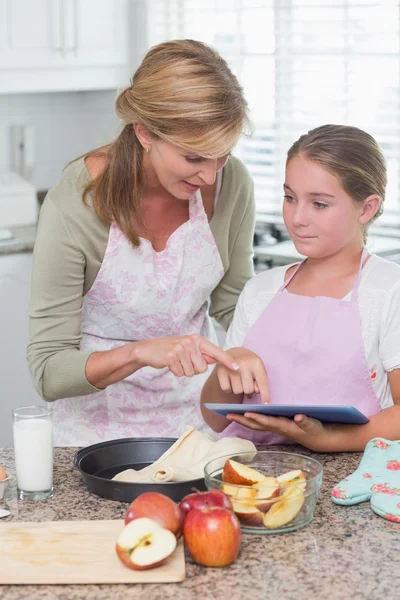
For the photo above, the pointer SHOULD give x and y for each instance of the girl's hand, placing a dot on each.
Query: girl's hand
(251, 377)
(185, 355)
(303, 430)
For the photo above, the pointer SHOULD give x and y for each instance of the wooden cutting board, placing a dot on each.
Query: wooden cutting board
(69, 552)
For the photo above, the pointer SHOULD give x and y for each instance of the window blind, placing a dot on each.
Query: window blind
(303, 63)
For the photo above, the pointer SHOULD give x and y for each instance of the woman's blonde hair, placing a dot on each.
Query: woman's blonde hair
(184, 93)
(352, 155)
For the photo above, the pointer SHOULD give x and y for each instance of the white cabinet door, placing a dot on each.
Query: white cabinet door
(101, 31)
(30, 33)
(61, 45)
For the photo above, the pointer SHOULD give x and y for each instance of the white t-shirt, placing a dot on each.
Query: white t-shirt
(378, 303)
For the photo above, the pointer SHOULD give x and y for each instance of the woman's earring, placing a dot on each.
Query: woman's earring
(147, 150)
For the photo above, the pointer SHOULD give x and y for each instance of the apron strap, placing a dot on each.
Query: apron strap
(285, 283)
(354, 293)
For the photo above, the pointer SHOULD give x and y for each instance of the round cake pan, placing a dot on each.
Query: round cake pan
(100, 462)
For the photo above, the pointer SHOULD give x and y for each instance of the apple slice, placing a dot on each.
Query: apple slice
(296, 477)
(235, 472)
(144, 544)
(248, 513)
(241, 493)
(285, 510)
(266, 492)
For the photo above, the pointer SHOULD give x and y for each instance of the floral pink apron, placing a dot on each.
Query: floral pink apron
(140, 294)
(313, 352)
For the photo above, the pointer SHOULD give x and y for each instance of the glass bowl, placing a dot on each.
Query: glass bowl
(279, 496)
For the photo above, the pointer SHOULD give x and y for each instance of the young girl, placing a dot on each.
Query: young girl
(327, 330)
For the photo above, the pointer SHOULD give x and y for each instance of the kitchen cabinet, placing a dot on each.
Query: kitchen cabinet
(61, 45)
(345, 552)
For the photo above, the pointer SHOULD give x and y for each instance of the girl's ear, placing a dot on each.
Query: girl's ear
(143, 135)
(370, 208)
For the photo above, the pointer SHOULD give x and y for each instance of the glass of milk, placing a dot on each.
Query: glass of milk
(33, 449)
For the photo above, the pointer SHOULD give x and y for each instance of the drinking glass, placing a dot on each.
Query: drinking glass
(33, 449)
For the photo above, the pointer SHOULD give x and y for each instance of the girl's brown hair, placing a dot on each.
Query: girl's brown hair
(184, 93)
(350, 154)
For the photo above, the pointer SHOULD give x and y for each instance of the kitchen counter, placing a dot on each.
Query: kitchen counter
(345, 552)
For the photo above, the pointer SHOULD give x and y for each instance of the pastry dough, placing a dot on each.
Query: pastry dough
(187, 457)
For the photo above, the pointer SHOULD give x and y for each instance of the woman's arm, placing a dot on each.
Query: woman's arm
(184, 356)
(233, 226)
(58, 366)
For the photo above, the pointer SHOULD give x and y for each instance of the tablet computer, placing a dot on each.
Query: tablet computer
(323, 412)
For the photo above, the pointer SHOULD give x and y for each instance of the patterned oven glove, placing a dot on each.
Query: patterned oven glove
(377, 479)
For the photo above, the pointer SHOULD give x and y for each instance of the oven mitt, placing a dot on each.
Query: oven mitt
(377, 479)
(187, 457)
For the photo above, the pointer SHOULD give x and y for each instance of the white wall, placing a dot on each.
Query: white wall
(65, 125)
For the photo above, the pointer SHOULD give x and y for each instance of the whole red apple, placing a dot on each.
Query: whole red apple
(212, 536)
(201, 500)
(158, 507)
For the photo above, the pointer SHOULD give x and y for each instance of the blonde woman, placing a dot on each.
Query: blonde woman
(327, 330)
(132, 242)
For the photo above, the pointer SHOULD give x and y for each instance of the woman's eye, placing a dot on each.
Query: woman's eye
(288, 198)
(194, 159)
(320, 205)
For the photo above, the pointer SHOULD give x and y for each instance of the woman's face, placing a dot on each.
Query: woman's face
(320, 216)
(178, 171)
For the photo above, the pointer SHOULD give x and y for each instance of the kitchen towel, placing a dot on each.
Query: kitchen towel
(377, 478)
(187, 457)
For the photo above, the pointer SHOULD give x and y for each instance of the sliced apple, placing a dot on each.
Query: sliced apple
(285, 510)
(144, 544)
(296, 477)
(238, 474)
(248, 514)
(241, 493)
(266, 492)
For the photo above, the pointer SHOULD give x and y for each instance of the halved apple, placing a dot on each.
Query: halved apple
(285, 510)
(144, 544)
(296, 477)
(266, 492)
(239, 474)
(248, 514)
(241, 493)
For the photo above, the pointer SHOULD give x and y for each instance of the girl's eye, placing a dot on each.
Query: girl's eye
(194, 159)
(289, 199)
(320, 205)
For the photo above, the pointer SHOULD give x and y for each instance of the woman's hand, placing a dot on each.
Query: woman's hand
(251, 377)
(185, 355)
(302, 429)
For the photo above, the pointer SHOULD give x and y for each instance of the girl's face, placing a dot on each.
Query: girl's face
(320, 217)
(178, 171)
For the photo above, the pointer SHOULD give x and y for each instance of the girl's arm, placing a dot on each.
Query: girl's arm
(228, 387)
(333, 438)
(386, 424)
(212, 392)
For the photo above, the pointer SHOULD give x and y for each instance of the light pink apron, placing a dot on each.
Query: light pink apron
(313, 352)
(140, 294)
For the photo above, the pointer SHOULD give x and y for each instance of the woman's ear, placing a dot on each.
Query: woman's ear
(370, 208)
(143, 135)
